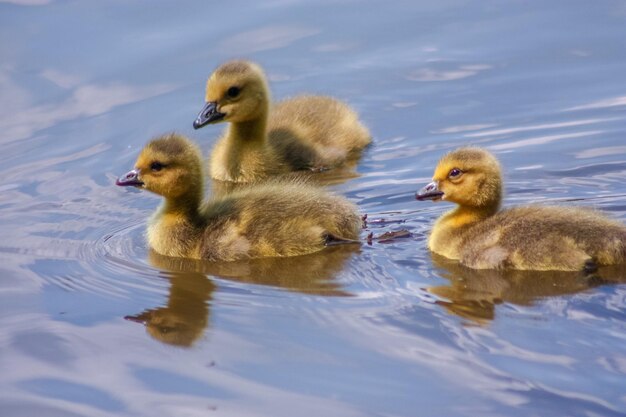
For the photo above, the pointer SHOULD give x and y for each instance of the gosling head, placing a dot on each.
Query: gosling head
(169, 165)
(236, 92)
(469, 176)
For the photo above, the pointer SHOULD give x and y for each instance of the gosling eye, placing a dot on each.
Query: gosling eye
(233, 92)
(156, 166)
(454, 173)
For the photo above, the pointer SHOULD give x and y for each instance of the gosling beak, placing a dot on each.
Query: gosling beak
(430, 192)
(141, 318)
(209, 114)
(130, 178)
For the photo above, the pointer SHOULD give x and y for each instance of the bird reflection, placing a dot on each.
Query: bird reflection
(185, 316)
(183, 319)
(474, 293)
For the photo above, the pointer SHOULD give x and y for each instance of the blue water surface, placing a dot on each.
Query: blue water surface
(92, 325)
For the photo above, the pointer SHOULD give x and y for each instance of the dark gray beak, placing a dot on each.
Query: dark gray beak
(209, 114)
(430, 192)
(130, 178)
(141, 318)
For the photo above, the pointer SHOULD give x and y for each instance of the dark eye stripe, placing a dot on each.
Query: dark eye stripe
(454, 172)
(156, 166)
(233, 92)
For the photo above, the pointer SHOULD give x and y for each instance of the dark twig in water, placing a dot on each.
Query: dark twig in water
(388, 237)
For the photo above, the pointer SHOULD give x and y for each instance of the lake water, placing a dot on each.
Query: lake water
(91, 324)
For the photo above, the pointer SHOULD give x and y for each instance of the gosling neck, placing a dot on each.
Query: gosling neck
(463, 216)
(249, 132)
(247, 151)
(186, 206)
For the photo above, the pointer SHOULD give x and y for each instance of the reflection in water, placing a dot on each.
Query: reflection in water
(474, 293)
(85, 100)
(445, 73)
(602, 104)
(182, 321)
(310, 274)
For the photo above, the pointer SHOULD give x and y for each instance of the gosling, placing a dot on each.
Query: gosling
(303, 133)
(480, 235)
(270, 220)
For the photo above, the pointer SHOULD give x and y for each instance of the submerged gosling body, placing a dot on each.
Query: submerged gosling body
(481, 236)
(262, 140)
(274, 219)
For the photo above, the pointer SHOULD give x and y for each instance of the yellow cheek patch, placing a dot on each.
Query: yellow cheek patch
(214, 89)
(142, 162)
(442, 170)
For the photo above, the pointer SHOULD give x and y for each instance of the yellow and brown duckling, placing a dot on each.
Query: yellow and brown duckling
(262, 140)
(481, 236)
(274, 219)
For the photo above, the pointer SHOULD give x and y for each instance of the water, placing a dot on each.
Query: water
(92, 324)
